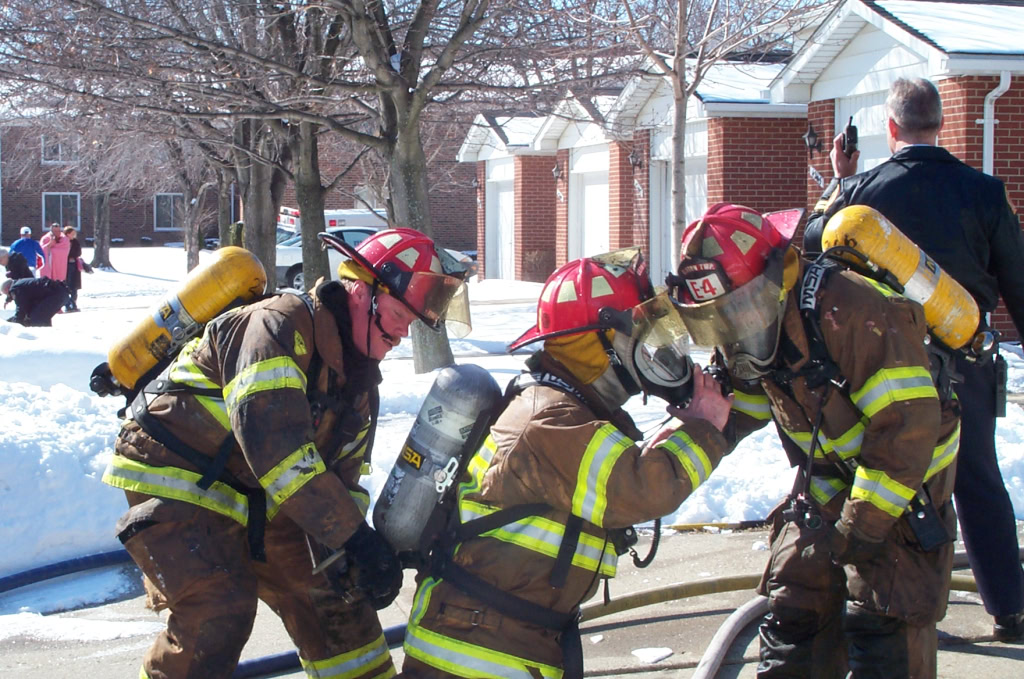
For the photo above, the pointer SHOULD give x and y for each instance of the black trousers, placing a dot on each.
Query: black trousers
(987, 523)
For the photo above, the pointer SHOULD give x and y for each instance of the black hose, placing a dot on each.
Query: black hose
(55, 570)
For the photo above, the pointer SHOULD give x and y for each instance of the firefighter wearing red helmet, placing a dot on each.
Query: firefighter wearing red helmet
(839, 363)
(242, 462)
(545, 502)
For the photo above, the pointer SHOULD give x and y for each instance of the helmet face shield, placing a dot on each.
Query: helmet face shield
(744, 323)
(438, 297)
(405, 264)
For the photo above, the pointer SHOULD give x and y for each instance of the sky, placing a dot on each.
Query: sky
(56, 436)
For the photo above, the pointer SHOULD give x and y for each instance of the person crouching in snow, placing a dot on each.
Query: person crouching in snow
(561, 476)
(37, 300)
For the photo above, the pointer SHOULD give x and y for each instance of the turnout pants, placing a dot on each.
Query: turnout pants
(197, 566)
(983, 506)
(811, 632)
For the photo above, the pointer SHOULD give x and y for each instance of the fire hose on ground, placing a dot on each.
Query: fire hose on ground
(708, 666)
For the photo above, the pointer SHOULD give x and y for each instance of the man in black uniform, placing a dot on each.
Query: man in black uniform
(962, 218)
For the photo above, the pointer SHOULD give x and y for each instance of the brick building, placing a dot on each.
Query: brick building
(41, 195)
(970, 50)
(553, 189)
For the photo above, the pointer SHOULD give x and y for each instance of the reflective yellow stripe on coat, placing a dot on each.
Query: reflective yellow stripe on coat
(823, 488)
(536, 533)
(590, 500)
(752, 405)
(691, 456)
(176, 484)
(543, 535)
(274, 373)
(460, 658)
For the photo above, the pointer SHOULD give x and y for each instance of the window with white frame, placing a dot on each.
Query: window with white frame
(56, 150)
(62, 208)
(168, 211)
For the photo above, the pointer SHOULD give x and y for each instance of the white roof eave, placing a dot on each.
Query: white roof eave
(469, 151)
(792, 85)
(980, 64)
(733, 109)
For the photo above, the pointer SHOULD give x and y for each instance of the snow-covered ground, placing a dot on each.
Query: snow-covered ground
(57, 436)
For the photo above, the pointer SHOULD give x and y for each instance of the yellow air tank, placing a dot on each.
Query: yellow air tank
(234, 275)
(950, 311)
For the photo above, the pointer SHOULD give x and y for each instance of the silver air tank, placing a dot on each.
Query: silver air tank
(431, 457)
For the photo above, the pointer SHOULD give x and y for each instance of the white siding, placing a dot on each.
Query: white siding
(868, 111)
(868, 64)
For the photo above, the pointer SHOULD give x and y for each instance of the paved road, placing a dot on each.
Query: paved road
(684, 627)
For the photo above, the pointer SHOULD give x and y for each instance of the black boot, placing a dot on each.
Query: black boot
(1009, 627)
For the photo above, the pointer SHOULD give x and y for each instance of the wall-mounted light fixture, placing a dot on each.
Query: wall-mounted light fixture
(811, 140)
(635, 161)
(475, 183)
(556, 171)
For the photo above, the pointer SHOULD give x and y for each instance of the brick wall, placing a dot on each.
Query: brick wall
(642, 188)
(534, 218)
(822, 115)
(620, 196)
(758, 162)
(131, 216)
(562, 209)
(963, 101)
(481, 218)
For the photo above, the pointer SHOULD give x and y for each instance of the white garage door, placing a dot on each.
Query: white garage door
(588, 202)
(500, 216)
(663, 245)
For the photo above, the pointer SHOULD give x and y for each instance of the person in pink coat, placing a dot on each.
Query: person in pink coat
(56, 246)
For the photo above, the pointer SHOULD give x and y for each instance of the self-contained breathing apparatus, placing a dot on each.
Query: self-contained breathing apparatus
(964, 334)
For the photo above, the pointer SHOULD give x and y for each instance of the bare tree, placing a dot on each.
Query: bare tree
(684, 39)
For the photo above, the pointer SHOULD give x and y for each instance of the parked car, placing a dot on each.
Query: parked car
(289, 254)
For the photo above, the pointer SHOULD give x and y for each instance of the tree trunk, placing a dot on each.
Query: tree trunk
(191, 228)
(260, 216)
(101, 231)
(411, 206)
(309, 192)
(261, 185)
(679, 96)
(224, 208)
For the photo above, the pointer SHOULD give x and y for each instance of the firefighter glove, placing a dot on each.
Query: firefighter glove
(375, 566)
(848, 549)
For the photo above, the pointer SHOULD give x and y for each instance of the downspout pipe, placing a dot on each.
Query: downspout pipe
(988, 138)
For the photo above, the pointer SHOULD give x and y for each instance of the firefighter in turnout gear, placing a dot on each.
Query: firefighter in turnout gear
(839, 362)
(241, 464)
(561, 474)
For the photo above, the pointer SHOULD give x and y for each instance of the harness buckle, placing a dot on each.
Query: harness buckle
(477, 618)
(444, 478)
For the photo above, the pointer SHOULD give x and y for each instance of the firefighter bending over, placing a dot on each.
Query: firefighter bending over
(545, 499)
(839, 363)
(242, 464)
